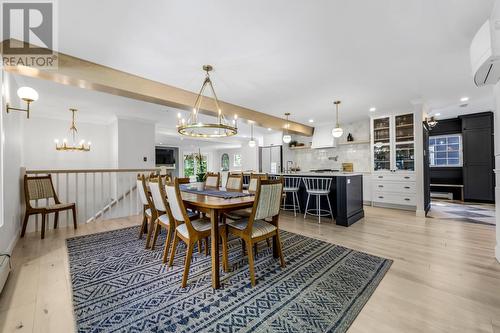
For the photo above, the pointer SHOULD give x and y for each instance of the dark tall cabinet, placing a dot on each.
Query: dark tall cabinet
(478, 157)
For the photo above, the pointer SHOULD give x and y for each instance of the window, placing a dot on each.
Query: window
(193, 165)
(445, 150)
(237, 160)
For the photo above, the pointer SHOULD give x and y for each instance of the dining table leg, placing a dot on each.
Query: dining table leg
(214, 219)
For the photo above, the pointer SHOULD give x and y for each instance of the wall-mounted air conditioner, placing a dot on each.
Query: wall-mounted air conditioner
(485, 51)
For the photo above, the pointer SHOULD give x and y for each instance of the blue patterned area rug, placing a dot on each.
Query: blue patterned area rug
(118, 286)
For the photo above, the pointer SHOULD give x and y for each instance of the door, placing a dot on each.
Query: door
(427, 170)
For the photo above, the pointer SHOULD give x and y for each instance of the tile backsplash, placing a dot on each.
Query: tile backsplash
(358, 154)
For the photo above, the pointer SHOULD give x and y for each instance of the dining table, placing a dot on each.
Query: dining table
(214, 206)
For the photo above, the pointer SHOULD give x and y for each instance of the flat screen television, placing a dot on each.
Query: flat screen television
(164, 156)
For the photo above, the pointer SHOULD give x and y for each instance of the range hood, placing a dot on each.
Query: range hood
(322, 137)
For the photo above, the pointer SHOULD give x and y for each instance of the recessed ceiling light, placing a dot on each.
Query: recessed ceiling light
(373, 109)
(464, 99)
(311, 120)
(438, 114)
(268, 128)
(245, 136)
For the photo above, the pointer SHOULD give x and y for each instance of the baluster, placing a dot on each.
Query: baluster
(94, 212)
(110, 194)
(67, 198)
(76, 196)
(102, 196)
(85, 196)
(130, 180)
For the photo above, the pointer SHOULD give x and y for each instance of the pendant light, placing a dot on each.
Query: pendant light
(286, 137)
(337, 131)
(74, 145)
(252, 142)
(195, 128)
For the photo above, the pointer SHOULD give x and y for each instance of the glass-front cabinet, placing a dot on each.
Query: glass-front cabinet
(393, 143)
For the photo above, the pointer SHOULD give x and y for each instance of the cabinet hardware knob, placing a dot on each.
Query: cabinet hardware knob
(406, 177)
(407, 187)
(381, 186)
(380, 197)
(407, 199)
(380, 176)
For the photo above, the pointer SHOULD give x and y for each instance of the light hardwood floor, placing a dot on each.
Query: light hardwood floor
(444, 277)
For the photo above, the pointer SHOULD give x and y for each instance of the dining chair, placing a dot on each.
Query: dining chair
(162, 211)
(147, 212)
(223, 178)
(40, 188)
(262, 223)
(187, 230)
(252, 188)
(235, 183)
(212, 179)
(184, 180)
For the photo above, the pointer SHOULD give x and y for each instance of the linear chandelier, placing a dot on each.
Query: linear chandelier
(73, 146)
(195, 128)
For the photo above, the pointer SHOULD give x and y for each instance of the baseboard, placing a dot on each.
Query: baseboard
(12, 244)
(497, 252)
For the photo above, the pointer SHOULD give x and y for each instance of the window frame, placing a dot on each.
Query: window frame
(432, 151)
(239, 160)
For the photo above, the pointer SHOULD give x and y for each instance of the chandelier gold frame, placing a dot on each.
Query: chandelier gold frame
(192, 127)
(73, 131)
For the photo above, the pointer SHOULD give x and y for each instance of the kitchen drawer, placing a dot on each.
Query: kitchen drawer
(407, 177)
(394, 198)
(398, 187)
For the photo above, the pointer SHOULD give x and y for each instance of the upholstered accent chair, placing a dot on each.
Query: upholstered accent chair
(188, 230)
(234, 183)
(212, 179)
(262, 223)
(41, 188)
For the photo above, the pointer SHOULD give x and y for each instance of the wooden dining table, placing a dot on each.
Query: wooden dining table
(213, 207)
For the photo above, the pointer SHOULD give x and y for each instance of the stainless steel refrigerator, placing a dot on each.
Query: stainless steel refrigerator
(271, 159)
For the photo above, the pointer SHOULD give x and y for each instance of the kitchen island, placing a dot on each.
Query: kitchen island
(346, 195)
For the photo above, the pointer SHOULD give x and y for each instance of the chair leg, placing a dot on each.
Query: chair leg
(170, 231)
(75, 225)
(207, 246)
(143, 225)
(268, 242)
(297, 200)
(243, 247)
(318, 200)
(256, 250)
(293, 201)
(187, 263)
(150, 231)
(155, 234)
(250, 262)
(174, 247)
(25, 223)
(330, 206)
(199, 246)
(280, 250)
(43, 226)
(56, 219)
(307, 204)
(225, 261)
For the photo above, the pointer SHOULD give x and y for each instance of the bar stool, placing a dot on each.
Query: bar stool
(318, 187)
(292, 185)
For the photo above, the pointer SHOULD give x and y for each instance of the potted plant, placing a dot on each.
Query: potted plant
(293, 143)
(200, 181)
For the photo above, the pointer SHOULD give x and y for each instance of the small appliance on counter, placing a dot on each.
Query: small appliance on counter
(324, 170)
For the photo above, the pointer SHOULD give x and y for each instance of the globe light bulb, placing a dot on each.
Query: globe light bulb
(337, 132)
(287, 138)
(251, 143)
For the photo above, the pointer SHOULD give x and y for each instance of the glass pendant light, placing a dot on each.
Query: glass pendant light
(252, 142)
(337, 131)
(286, 137)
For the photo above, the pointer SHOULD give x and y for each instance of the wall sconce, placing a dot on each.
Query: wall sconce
(28, 95)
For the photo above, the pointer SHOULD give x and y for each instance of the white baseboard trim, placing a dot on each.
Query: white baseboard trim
(12, 244)
(497, 252)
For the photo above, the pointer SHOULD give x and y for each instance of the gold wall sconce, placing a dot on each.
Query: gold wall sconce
(27, 94)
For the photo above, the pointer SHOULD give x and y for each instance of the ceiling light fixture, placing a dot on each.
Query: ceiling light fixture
(269, 129)
(373, 109)
(194, 128)
(73, 132)
(337, 131)
(464, 99)
(252, 142)
(431, 122)
(438, 114)
(286, 137)
(311, 120)
(27, 94)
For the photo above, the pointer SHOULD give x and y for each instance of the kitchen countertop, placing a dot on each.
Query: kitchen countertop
(319, 174)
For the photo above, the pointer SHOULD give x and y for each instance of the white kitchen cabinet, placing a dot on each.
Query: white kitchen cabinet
(367, 188)
(393, 161)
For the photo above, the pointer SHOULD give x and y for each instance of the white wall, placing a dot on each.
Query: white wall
(11, 155)
(136, 140)
(39, 150)
(249, 158)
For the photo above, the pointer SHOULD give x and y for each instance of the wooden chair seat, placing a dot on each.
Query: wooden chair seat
(259, 227)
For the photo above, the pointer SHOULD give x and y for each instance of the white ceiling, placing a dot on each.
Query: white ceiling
(290, 56)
